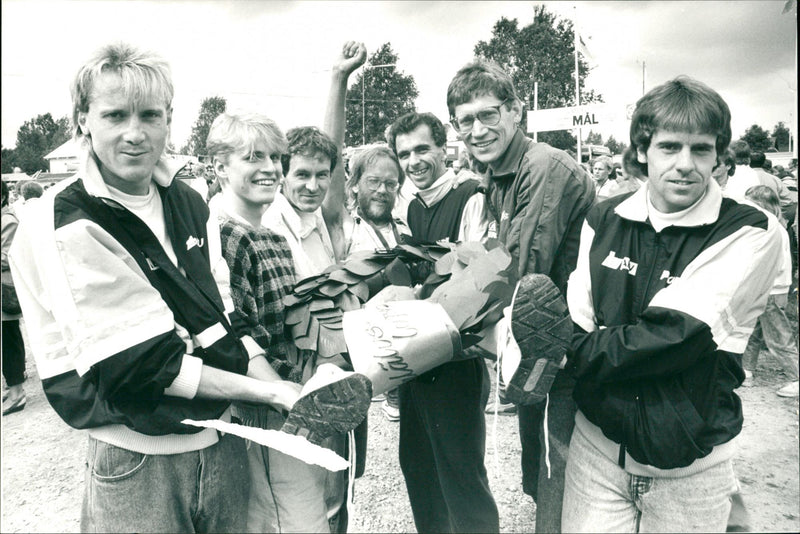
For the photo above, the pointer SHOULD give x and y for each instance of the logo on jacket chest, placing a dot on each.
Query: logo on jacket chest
(620, 264)
(194, 242)
(491, 231)
(668, 277)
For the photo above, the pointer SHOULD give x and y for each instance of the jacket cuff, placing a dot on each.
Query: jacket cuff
(252, 347)
(188, 380)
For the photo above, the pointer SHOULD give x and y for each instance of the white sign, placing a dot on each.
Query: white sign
(545, 120)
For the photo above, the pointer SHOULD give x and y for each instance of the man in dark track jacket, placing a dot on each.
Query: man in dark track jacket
(669, 284)
(120, 274)
(538, 197)
(442, 424)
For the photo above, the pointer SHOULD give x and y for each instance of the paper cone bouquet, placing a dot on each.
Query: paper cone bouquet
(366, 307)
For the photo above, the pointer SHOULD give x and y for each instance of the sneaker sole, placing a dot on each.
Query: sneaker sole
(542, 328)
(391, 418)
(15, 408)
(335, 408)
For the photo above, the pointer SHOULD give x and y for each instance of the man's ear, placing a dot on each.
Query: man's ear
(221, 170)
(516, 111)
(82, 124)
(169, 117)
(641, 155)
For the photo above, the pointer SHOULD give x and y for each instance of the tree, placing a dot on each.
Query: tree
(35, 139)
(8, 160)
(758, 138)
(388, 94)
(543, 52)
(781, 135)
(616, 147)
(210, 108)
(594, 138)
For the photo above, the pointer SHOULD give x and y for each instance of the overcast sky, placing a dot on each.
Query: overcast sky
(275, 57)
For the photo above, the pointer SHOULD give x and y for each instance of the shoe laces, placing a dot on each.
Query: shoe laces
(546, 434)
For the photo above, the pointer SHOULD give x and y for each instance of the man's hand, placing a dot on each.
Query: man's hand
(284, 394)
(353, 55)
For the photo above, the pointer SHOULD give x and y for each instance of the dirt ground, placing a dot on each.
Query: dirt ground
(43, 459)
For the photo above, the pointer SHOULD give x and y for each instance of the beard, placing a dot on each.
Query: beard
(378, 213)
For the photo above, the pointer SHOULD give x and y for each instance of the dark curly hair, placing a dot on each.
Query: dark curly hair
(309, 141)
(411, 121)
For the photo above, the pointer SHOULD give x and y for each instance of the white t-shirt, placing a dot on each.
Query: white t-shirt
(150, 210)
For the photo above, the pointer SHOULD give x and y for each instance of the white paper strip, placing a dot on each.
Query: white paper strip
(291, 445)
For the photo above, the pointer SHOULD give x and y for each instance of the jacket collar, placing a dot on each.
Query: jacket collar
(301, 224)
(438, 189)
(163, 174)
(638, 207)
(508, 163)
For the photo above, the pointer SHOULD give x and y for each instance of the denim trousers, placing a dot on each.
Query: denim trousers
(197, 491)
(773, 331)
(600, 496)
(547, 486)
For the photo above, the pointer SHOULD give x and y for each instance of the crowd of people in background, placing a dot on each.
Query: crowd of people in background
(151, 294)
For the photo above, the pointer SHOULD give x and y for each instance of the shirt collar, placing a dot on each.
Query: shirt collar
(438, 190)
(164, 172)
(508, 163)
(300, 223)
(638, 207)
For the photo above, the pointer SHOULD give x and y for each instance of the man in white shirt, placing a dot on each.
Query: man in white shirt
(308, 213)
(745, 177)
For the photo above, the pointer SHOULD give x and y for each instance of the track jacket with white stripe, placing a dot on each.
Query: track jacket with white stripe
(118, 331)
(663, 308)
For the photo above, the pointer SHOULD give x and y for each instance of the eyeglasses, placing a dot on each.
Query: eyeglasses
(373, 184)
(489, 117)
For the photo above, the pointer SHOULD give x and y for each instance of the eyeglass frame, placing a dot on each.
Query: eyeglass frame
(454, 119)
(394, 189)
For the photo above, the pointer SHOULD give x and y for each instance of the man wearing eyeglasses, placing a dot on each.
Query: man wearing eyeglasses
(442, 423)
(538, 197)
(374, 180)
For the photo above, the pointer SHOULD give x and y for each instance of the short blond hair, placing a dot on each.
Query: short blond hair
(143, 74)
(231, 133)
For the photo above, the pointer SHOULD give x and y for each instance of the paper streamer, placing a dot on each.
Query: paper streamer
(291, 445)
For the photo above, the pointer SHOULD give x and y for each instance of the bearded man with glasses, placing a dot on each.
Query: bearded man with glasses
(538, 197)
(374, 181)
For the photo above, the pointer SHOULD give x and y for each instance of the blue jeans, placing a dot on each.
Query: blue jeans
(774, 331)
(599, 496)
(198, 491)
